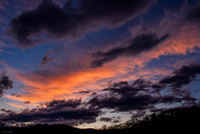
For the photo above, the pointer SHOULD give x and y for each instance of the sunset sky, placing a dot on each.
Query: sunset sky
(89, 63)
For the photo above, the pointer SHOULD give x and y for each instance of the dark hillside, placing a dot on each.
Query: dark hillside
(172, 120)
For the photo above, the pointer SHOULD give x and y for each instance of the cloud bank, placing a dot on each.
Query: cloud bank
(57, 111)
(139, 95)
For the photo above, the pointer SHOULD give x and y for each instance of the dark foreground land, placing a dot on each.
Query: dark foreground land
(174, 120)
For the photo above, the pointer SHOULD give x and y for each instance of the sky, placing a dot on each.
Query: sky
(89, 63)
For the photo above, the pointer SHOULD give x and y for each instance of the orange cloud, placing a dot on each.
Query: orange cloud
(19, 106)
(45, 86)
(180, 43)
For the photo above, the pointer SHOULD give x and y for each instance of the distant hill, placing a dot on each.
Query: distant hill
(168, 121)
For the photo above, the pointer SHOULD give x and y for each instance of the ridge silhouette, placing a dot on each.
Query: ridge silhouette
(185, 119)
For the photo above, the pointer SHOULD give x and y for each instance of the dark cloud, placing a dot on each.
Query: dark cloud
(4, 110)
(46, 59)
(73, 21)
(106, 119)
(57, 111)
(193, 15)
(85, 92)
(5, 83)
(136, 96)
(57, 104)
(27, 102)
(141, 43)
(15, 94)
(142, 94)
(182, 76)
(114, 119)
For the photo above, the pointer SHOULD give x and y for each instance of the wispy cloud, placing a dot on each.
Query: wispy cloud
(19, 106)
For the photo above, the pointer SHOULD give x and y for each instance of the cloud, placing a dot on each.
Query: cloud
(70, 21)
(182, 76)
(5, 83)
(15, 94)
(139, 95)
(45, 60)
(57, 111)
(4, 110)
(85, 92)
(27, 102)
(4, 45)
(192, 15)
(57, 104)
(59, 81)
(141, 43)
(114, 119)
(16, 105)
(105, 119)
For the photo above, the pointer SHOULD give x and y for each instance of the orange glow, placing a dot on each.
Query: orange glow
(19, 106)
(61, 87)
(46, 87)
